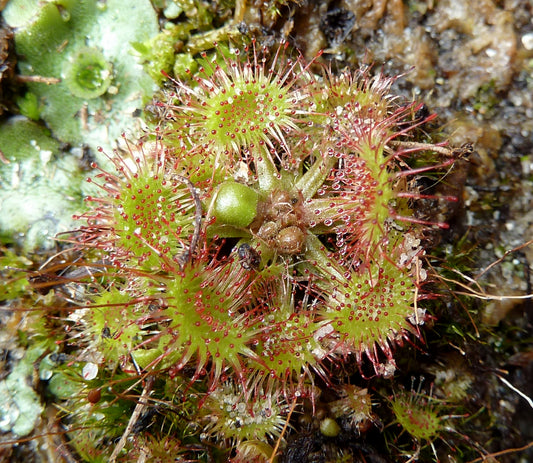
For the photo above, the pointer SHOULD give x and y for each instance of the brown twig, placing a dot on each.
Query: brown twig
(137, 412)
(278, 442)
(186, 256)
(502, 452)
(38, 79)
(3, 158)
(506, 253)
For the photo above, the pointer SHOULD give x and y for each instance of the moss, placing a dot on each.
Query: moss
(159, 52)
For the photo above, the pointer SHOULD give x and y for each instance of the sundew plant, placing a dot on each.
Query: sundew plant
(260, 238)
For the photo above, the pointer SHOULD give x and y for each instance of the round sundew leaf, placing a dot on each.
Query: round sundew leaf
(153, 218)
(228, 415)
(235, 204)
(111, 320)
(243, 115)
(355, 404)
(352, 96)
(205, 319)
(288, 347)
(416, 416)
(372, 307)
(242, 105)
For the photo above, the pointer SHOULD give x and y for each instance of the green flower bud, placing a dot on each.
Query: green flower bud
(329, 427)
(235, 204)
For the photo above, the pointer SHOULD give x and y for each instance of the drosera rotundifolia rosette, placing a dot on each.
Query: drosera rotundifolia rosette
(260, 236)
